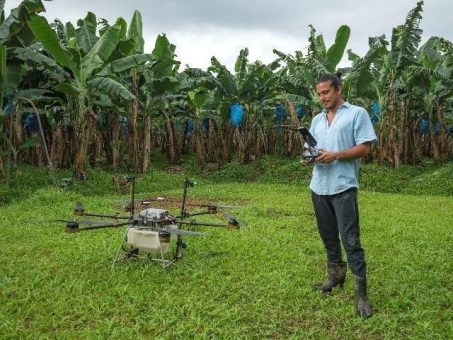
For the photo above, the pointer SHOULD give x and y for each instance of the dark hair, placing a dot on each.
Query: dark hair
(335, 79)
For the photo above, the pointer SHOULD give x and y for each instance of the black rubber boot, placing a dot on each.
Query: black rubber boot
(363, 306)
(336, 274)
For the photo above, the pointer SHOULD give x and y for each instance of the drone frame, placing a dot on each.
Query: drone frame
(162, 234)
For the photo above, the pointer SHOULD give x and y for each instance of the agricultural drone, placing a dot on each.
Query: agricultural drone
(151, 232)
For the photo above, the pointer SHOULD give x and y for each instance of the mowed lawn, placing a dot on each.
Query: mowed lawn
(255, 282)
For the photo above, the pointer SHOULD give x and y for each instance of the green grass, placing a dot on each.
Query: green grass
(424, 179)
(254, 282)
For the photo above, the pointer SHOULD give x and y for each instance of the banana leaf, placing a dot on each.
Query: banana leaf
(100, 52)
(336, 51)
(135, 32)
(48, 38)
(111, 87)
(86, 33)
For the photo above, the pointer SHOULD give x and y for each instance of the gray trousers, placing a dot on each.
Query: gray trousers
(338, 216)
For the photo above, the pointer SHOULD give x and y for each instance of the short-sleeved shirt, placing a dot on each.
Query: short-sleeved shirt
(351, 126)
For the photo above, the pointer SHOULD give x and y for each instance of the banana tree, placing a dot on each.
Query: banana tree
(160, 81)
(134, 34)
(431, 80)
(300, 73)
(359, 86)
(14, 32)
(397, 121)
(88, 61)
(252, 85)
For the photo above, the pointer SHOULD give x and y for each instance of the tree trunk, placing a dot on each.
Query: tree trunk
(37, 155)
(57, 149)
(450, 147)
(403, 132)
(406, 130)
(227, 144)
(107, 138)
(115, 143)
(271, 142)
(411, 143)
(432, 138)
(133, 132)
(172, 147)
(216, 138)
(2, 168)
(199, 144)
(211, 144)
(17, 132)
(82, 146)
(183, 138)
(250, 142)
(294, 120)
(241, 147)
(258, 142)
(380, 150)
(146, 142)
(393, 136)
(443, 152)
(287, 142)
(417, 141)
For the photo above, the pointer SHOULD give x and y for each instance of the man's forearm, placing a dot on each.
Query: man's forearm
(354, 152)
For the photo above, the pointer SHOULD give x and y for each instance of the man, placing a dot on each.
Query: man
(344, 134)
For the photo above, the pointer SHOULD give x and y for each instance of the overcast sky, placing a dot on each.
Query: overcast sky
(203, 28)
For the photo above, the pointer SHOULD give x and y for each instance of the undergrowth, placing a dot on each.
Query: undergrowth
(423, 179)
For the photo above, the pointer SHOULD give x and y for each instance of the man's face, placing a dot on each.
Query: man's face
(330, 97)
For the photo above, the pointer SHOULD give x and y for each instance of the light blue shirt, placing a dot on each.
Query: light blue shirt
(351, 126)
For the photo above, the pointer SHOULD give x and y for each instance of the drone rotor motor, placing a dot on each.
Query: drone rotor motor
(72, 226)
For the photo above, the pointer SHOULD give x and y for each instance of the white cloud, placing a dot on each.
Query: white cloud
(196, 46)
(202, 28)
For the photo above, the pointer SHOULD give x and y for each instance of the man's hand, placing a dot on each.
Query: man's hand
(356, 151)
(326, 156)
(307, 161)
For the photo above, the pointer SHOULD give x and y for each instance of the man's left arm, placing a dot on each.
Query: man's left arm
(356, 151)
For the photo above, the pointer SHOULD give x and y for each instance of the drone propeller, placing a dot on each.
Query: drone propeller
(145, 200)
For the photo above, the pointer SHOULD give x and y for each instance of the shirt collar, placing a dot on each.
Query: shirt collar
(344, 104)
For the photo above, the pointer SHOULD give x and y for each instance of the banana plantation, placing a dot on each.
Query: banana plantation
(76, 95)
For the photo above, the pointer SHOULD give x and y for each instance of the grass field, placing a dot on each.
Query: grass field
(255, 282)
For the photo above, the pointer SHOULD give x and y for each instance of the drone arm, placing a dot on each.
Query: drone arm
(107, 216)
(187, 214)
(99, 226)
(208, 224)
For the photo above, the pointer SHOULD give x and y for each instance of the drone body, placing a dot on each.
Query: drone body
(153, 232)
(148, 241)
